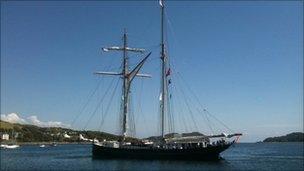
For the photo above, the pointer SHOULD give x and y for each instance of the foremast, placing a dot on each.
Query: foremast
(126, 87)
(127, 77)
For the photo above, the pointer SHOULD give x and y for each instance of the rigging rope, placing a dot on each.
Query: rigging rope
(197, 99)
(181, 119)
(104, 115)
(87, 102)
(139, 102)
(91, 95)
(208, 122)
(97, 107)
(219, 121)
(188, 106)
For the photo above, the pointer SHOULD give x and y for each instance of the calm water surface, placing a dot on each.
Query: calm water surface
(243, 156)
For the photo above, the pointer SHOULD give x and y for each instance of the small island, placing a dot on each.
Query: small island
(292, 137)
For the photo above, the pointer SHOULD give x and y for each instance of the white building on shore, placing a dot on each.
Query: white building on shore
(4, 136)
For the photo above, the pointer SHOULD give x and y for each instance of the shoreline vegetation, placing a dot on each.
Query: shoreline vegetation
(31, 134)
(51, 143)
(292, 137)
(23, 134)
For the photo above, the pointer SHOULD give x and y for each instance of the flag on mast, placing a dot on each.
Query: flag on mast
(161, 3)
(168, 72)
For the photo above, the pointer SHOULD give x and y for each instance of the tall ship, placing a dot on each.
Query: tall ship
(175, 146)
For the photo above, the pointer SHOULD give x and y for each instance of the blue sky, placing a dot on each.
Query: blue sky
(244, 60)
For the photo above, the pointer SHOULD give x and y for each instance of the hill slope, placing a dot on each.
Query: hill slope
(292, 137)
(31, 133)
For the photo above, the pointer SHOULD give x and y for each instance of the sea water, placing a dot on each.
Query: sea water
(242, 156)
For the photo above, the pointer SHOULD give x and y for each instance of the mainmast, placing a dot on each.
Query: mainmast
(163, 71)
(127, 77)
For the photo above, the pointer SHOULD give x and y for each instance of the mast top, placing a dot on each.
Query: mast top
(161, 3)
(125, 31)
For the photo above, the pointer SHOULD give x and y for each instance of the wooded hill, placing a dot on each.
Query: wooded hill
(31, 133)
(292, 137)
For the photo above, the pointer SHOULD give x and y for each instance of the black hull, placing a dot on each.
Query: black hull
(207, 153)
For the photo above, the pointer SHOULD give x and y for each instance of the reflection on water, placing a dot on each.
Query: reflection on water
(162, 165)
(259, 156)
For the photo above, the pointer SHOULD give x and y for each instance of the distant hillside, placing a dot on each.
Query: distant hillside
(31, 133)
(293, 137)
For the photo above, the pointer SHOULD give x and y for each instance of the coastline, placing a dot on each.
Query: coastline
(64, 143)
(47, 143)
